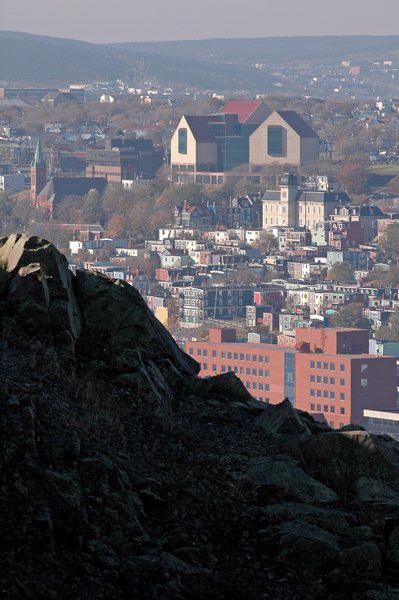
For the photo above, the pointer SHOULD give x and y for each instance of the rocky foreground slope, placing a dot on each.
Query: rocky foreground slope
(124, 475)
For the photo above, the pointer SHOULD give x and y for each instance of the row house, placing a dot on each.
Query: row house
(175, 258)
(261, 315)
(179, 232)
(270, 296)
(378, 317)
(139, 280)
(319, 301)
(345, 234)
(291, 238)
(368, 215)
(227, 303)
(107, 269)
(383, 224)
(356, 258)
(193, 214)
(173, 273)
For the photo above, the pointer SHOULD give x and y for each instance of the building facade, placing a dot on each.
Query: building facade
(198, 304)
(244, 135)
(327, 373)
(291, 207)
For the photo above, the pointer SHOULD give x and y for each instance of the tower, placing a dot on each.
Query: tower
(288, 195)
(38, 174)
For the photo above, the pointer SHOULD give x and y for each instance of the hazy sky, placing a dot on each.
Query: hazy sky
(136, 20)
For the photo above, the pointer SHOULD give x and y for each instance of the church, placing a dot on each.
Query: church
(45, 195)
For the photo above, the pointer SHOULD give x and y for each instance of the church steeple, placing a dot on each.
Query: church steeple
(38, 160)
(38, 174)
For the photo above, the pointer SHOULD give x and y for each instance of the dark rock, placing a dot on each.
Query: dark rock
(364, 558)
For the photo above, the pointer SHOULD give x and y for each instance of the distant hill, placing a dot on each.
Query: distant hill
(273, 49)
(32, 60)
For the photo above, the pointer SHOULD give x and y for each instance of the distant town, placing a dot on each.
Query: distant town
(263, 232)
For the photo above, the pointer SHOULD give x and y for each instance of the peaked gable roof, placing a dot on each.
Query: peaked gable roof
(199, 126)
(72, 186)
(297, 123)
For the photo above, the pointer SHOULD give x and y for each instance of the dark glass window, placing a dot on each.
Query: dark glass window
(274, 140)
(182, 141)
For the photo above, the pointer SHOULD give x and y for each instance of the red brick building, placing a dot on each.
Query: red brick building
(327, 373)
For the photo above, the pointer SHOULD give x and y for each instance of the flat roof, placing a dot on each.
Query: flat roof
(275, 347)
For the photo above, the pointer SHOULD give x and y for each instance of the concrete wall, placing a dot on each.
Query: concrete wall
(291, 144)
(309, 150)
(207, 154)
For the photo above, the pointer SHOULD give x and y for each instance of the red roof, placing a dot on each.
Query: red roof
(242, 109)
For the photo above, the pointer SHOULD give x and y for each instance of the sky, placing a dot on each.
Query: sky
(108, 21)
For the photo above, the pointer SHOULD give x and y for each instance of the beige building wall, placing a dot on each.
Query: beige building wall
(291, 144)
(183, 159)
(197, 153)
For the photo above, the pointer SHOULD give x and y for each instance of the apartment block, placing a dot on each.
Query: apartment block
(328, 372)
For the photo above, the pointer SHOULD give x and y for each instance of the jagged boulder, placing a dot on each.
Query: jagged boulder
(39, 292)
(115, 310)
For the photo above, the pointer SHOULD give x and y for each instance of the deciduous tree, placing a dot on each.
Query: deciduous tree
(341, 271)
(350, 316)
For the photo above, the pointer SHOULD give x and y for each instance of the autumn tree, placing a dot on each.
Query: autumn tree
(350, 316)
(267, 243)
(92, 207)
(353, 178)
(393, 186)
(389, 250)
(117, 226)
(341, 271)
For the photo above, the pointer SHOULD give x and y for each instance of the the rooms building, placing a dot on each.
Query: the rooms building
(243, 139)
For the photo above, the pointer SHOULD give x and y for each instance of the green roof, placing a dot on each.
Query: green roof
(38, 160)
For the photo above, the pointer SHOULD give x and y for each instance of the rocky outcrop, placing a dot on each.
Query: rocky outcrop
(124, 475)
